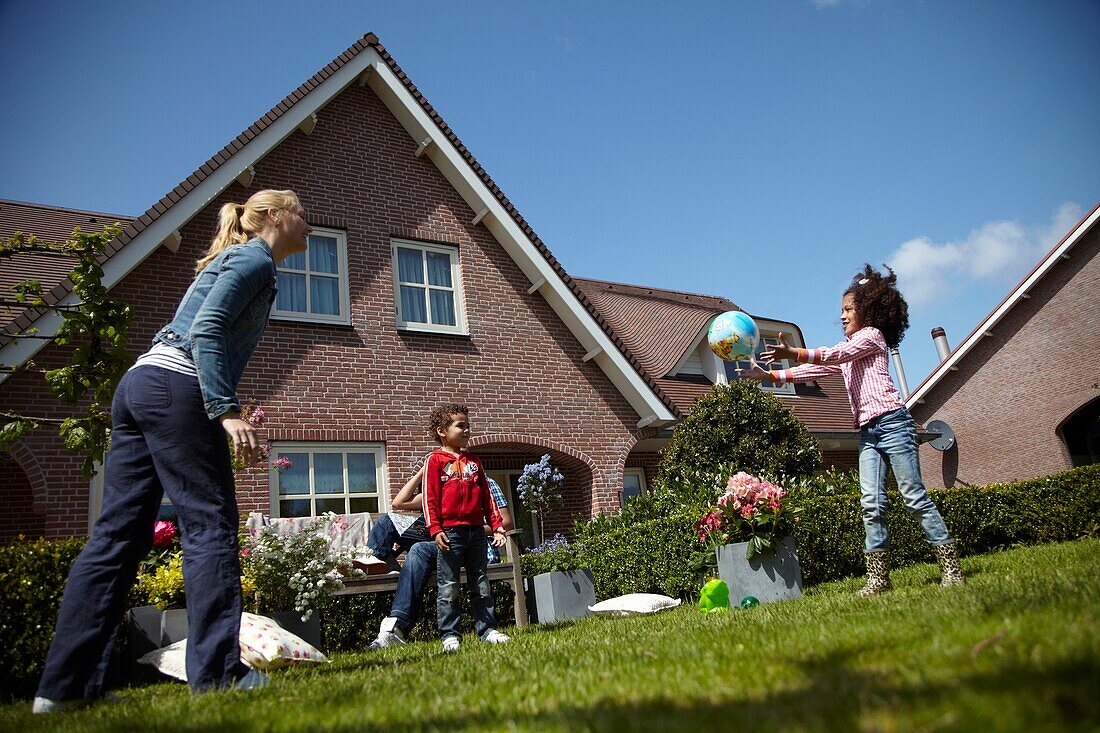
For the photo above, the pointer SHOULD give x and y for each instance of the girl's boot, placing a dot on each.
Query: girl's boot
(878, 574)
(948, 556)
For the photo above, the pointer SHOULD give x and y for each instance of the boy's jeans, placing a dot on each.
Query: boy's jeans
(383, 536)
(467, 549)
(892, 437)
(161, 441)
(411, 583)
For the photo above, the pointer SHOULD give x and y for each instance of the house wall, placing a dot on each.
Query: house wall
(520, 371)
(1015, 387)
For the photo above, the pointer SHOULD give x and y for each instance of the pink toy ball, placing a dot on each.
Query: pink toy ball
(733, 335)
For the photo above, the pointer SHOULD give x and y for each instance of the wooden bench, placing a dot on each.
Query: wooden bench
(509, 572)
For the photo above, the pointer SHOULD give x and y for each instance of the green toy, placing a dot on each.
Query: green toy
(715, 596)
(749, 602)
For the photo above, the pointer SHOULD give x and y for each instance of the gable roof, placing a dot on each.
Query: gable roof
(368, 62)
(1018, 293)
(661, 327)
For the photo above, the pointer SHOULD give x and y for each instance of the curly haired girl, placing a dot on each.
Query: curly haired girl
(874, 316)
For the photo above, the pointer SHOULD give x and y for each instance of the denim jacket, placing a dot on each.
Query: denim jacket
(221, 318)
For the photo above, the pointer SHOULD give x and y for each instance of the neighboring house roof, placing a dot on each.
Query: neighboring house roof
(661, 326)
(49, 224)
(360, 64)
(1018, 293)
(658, 326)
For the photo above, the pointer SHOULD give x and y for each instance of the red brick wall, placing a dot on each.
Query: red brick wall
(1015, 387)
(19, 515)
(520, 370)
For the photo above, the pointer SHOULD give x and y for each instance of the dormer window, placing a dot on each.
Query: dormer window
(766, 340)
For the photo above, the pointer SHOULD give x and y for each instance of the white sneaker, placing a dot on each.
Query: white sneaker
(43, 705)
(451, 643)
(388, 635)
(495, 637)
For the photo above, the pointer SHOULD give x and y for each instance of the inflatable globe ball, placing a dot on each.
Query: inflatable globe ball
(733, 335)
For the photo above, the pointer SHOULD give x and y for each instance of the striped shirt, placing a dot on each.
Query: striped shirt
(167, 357)
(861, 358)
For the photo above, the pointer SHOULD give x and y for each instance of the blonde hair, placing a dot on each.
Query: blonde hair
(237, 223)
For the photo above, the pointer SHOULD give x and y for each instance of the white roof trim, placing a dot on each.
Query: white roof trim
(447, 160)
(450, 162)
(1020, 292)
(18, 351)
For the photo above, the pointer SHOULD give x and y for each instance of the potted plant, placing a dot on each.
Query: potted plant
(160, 584)
(748, 535)
(540, 487)
(562, 590)
(290, 571)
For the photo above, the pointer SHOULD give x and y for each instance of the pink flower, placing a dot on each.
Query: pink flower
(257, 416)
(163, 534)
(748, 511)
(775, 505)
(246, 552)
(282, 463)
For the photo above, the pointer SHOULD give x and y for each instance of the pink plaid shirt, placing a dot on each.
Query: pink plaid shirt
(861, 358)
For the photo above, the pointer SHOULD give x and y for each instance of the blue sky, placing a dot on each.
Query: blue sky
(757, 150)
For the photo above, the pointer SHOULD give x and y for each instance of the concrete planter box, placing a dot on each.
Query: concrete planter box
(770, 577)
(308, 631)
(173, 626)
(563, 595)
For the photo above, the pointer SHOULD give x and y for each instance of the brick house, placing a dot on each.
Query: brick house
(423, 284)
(1020, 393)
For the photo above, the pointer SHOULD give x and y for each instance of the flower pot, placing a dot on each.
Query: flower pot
(563, 595)
(769, 577)
(142, 636)
(173, 626)
(308, 631)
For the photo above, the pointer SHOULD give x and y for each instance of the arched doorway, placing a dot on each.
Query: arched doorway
(504, 458)
(19, 515)
(1081, 434)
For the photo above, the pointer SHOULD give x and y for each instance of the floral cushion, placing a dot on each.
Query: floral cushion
(348, 531)
(264, 645)
(634, 603)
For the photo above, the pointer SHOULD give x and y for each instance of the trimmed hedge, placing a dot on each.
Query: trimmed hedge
(631, 553)
(32, 579)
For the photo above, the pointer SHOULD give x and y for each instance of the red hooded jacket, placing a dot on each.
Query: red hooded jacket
(456, 493)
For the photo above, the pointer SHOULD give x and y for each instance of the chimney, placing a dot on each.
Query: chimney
(939, 337)
(903, 386)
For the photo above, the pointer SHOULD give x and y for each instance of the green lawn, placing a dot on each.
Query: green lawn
(1018, 648)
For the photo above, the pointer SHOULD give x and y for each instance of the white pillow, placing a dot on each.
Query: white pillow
(264, 645)
(169, 660)
(633, 603)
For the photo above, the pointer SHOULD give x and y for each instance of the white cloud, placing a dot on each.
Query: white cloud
(997, 251)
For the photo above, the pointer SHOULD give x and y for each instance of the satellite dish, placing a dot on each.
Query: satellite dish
(946, 438)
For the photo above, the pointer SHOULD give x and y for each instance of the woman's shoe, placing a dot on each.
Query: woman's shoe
(878, 574)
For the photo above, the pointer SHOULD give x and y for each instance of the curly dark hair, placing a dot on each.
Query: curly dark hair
(879, 304)
(443, 415)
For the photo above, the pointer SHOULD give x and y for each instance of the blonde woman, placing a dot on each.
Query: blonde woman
(170, 417)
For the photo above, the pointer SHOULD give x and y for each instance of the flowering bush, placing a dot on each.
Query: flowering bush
(750, 510)
(540, 487)
(163, 586)
(295, 569)
(166, 544)
(553, 555)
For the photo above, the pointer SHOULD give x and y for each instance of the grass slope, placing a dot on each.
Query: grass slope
(1018, 648)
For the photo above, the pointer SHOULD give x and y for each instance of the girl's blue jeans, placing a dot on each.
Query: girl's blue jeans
(467, 549)
(891, 440)
(161, 441)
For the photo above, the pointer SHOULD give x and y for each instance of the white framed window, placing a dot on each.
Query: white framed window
(427, 286)
(313, 285)
(346, 478)
(633, 484)
(731, 367)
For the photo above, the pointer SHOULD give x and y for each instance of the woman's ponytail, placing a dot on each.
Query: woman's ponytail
(237, 223)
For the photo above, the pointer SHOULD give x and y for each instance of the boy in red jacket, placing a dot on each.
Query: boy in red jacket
(457, 501)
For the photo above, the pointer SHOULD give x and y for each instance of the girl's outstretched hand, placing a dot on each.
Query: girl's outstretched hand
(755, 373)
(780, 351)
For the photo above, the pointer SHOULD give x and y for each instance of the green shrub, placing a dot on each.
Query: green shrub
(735, 427)
(32, 578)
